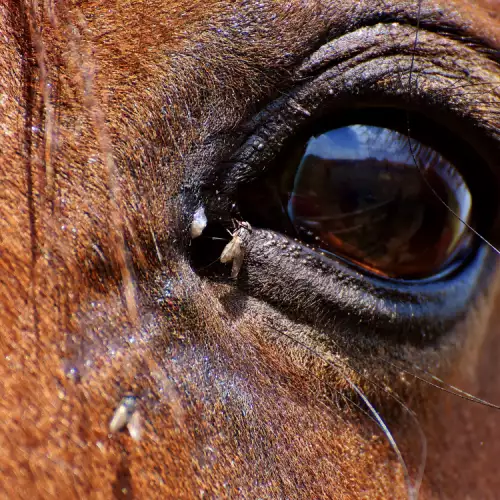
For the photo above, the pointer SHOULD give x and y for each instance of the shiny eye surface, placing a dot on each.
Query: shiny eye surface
(358, 192)
(366, 194)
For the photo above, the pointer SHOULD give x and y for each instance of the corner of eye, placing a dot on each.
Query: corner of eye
(199, 222)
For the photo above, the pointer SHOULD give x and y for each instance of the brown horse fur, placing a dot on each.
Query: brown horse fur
(106, 109)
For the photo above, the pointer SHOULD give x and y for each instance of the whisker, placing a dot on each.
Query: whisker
(434, 381)
(412, 486)
(440, 384)
(438, 197)
(494, 86)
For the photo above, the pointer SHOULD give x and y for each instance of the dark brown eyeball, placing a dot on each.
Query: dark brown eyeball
(366, 194)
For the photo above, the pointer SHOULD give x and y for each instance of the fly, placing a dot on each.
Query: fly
(234, 251)
(127, 415)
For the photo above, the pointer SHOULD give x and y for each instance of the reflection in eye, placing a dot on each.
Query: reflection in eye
(357, 192)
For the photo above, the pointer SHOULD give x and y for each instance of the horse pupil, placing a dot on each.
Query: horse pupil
(359, 193)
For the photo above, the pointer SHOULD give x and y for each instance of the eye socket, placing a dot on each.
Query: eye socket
(360, 191)
(409, 304)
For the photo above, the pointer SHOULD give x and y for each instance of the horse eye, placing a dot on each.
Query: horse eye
(368, 195)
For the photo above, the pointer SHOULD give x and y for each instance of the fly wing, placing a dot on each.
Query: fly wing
(134, 426)
(119, 420)
(233, 251)
(230, 250)
(237, 263)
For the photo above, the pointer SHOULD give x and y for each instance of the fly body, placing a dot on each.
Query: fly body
(234, 251)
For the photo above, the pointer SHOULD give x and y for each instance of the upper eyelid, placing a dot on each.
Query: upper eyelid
(293, 99)
(445, 23)
(340, 52)
(404, 39)
(349, 45)
(335, 61)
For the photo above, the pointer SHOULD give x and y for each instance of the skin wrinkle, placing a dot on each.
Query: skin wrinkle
(230, 408)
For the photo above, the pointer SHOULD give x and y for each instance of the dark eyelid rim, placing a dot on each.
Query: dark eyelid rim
(249, 161)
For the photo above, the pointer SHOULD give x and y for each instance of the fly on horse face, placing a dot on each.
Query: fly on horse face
(249, 249)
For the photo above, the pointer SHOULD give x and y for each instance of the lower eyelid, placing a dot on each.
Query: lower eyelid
(325, 294)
